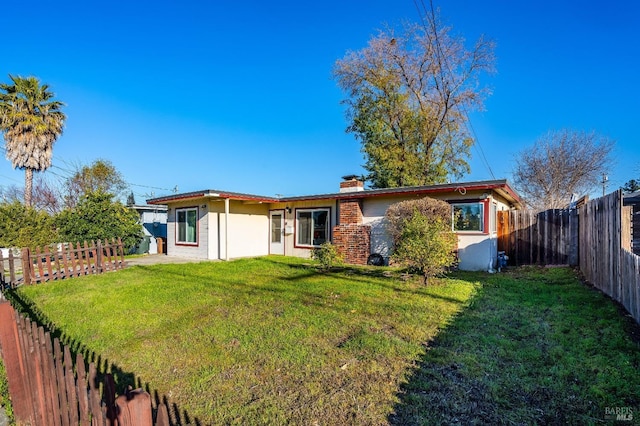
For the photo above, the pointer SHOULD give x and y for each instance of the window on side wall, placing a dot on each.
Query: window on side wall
(493, 219)
(468, 217)
(312, 227)
(186, 222)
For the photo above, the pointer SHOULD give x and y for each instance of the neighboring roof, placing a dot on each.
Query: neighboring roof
(631, 198)
(148, 208)
(500, 186)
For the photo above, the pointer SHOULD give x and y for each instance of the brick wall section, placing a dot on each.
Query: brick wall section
(351, 237)
(353, 242)
(351, 185)
(350, 212)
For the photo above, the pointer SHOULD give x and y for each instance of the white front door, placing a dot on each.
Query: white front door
(276, 232)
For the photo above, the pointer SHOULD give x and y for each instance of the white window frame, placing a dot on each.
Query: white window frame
(313, 225)
(454, 206)
(493, 218)
(186, 210)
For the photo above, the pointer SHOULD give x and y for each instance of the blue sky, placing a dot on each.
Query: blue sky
(239, 95)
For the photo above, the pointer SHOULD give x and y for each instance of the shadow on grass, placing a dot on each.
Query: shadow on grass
(438, 392)
(376, 276)
(526, 351)
(124, 380)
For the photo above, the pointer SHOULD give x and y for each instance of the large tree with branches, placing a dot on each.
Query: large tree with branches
(560, 164)
(408, 98)
(99, 176)
(31, 121)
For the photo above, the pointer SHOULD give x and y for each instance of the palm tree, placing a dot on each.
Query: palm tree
(31, 122)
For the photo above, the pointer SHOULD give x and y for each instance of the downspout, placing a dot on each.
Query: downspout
(226, 229)
(488, 201)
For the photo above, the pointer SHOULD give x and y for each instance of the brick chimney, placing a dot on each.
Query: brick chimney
(351, 183)
(351, 237)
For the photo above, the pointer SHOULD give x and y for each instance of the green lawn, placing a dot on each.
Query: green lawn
(536, 346)
(274, 341)
(253, 341)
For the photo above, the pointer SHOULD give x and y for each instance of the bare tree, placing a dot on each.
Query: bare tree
(46, 197)
(408, 98)
(559, 164)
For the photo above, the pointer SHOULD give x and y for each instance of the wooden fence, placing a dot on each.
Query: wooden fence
(606, 260)
(539, 237)
(596, 237)
(48, 388)
(41, 265)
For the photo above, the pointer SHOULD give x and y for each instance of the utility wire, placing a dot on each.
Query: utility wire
(67, 173)
(443, 59)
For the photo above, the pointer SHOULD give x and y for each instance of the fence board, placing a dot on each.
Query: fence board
(87, 256)
(596, 237)
(12, 269)
(47, 387)
(605, 259)
(42, 265)
(62, 388)
(538, 237)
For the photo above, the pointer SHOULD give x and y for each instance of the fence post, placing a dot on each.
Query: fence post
(2, 277)
(99, 257)
(120, 253)
(574, 237)
(26, 265)
(134, 408)
(12, 269)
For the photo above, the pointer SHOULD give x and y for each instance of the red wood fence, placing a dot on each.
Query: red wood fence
(41, 265)
(48, 388)
(539, 237)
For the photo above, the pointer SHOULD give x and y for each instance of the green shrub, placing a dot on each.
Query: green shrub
(398, 213)
(327, 255)
(98, 217)
(422, 237)
(22, 226)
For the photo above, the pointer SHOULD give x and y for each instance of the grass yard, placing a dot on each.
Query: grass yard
(273, 341)
(535, 346)
(257, 341)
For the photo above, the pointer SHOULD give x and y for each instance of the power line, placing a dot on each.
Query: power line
(70, 173)
(443, 60)
(12, 179)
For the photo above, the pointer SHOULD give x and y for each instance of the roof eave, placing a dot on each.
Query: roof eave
(211, 194)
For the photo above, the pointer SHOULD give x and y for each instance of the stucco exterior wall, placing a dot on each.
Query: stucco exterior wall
(248, 230)
(476, 251)
(290, 248)
(373, 211)
(198, 251)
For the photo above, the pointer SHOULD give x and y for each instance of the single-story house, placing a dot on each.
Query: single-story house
(153, 219)
(216, 224)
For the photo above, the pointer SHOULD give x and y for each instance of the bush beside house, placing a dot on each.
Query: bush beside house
(422, 236)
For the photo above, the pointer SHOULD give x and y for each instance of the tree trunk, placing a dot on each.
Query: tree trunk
(28, 186)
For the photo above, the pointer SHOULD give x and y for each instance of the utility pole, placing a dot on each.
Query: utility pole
(605, 179)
